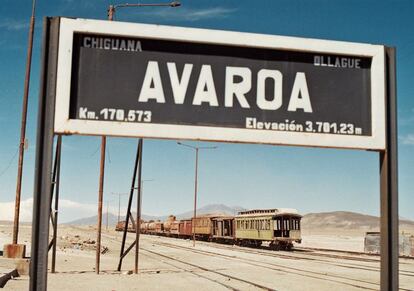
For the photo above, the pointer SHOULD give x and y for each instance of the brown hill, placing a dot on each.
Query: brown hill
(348, 221)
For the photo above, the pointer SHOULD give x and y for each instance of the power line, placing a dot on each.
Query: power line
(10, 163)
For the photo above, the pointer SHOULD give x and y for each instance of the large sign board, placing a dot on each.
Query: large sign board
(154, 81)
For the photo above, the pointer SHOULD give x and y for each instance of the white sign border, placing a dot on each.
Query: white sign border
(64, 125)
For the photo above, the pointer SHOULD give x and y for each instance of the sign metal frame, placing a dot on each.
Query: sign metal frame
(65, 125)
(46, 128)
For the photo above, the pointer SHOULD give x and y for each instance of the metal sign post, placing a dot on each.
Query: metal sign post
(128, 216)
(44, 153)
(389, 185)
(55, 188)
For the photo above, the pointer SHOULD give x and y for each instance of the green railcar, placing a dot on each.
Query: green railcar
(279, 227)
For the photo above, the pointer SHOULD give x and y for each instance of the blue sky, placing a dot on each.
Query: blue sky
(251, 176)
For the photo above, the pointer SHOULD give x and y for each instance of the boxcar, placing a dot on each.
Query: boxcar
(280, 227)
(203, 226)
(185, 228)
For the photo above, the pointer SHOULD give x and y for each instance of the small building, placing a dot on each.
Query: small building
(372, 243)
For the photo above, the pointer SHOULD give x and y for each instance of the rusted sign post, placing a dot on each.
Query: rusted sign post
(194, 84)
(139, 201)
(100, 203)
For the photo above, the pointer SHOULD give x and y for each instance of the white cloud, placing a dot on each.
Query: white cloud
(188, 14)
(7, 210)
(12, 24)
(407, 139)
(68, 210)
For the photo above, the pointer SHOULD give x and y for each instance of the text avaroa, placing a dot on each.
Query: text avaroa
(205, 90)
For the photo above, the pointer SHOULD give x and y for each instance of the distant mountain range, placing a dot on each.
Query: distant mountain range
(324, 220)
(113, 219)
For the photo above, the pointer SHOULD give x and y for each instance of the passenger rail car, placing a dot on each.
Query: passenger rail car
(279, 227)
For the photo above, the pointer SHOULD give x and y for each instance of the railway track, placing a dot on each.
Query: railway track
(316, 256)
(358, 283)
(307, 249)
(209, 270)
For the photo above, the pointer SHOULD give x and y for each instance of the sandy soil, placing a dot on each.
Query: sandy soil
(173, 264)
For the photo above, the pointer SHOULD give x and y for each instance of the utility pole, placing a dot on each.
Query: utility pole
(119, 204)
(107, 211)
(23, 127)
(195, 181)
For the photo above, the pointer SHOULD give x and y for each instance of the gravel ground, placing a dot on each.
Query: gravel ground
(173, 264)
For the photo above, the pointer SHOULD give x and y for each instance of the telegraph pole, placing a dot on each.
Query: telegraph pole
(195, 180)
(119, 204)
(23, 126)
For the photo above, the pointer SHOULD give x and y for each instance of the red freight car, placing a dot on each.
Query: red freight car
(185, 228)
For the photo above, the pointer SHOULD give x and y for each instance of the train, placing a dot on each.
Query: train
(279, 228)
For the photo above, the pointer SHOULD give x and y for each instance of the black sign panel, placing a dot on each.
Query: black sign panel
(182, 83)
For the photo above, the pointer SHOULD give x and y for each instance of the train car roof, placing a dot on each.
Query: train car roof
(211, 215)
(268, 212)
(224, 217)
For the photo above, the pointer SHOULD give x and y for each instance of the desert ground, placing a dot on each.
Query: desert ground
(174, 264)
